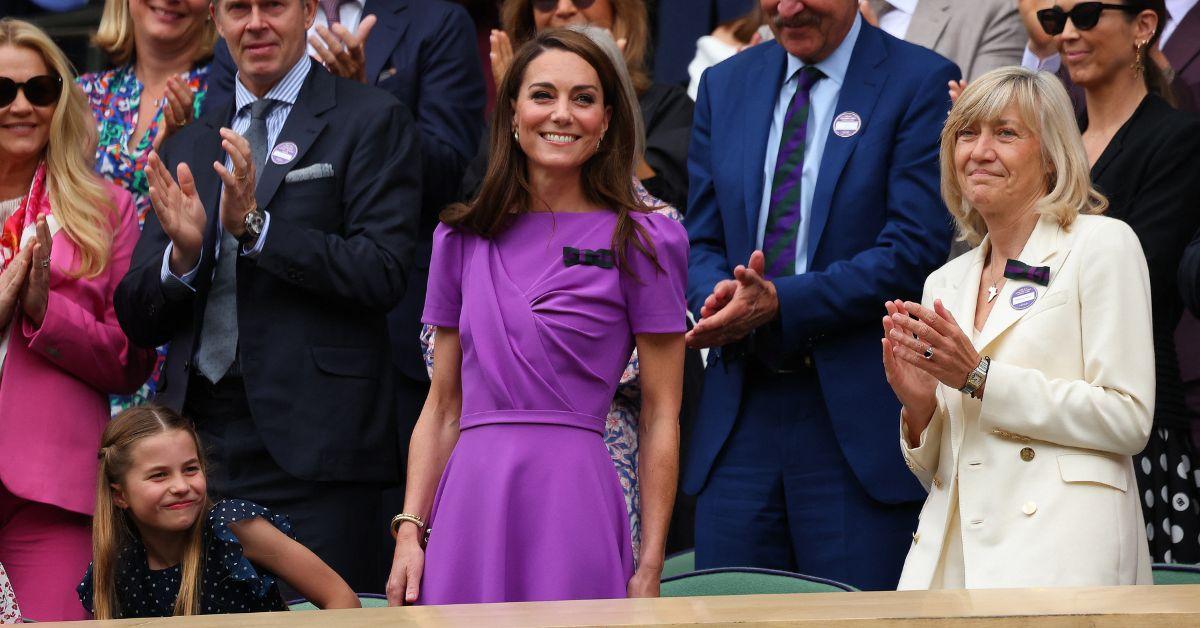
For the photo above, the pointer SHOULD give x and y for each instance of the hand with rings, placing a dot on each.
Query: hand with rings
(931, 341)
(178, 102)
(36, 295)
(237, 195)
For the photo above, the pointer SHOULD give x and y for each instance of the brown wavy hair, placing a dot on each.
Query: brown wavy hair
(630, 23)
(112, 528)
(606, 177)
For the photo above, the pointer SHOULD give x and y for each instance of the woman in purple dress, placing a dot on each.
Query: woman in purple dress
(540, 288)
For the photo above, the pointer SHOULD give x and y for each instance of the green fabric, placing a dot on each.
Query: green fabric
(742, 583)
(680, 563)
(1172, 574)
(367, 602)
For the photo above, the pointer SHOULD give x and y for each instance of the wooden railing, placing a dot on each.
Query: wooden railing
(1132, 607)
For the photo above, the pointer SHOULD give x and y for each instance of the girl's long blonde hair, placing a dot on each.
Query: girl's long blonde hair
(80, 199)
(112, 528)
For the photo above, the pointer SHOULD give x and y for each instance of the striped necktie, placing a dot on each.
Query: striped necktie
(332, 10)
(783, 212)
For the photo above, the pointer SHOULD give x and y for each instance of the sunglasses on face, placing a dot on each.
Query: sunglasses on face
(546, 6)
(1083, 15)
(40, 91)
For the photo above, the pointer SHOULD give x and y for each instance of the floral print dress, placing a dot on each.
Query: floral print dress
(115, 96)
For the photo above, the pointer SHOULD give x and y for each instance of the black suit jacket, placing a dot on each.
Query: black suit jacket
(422, 52)
(312, 306)
(1150, 172)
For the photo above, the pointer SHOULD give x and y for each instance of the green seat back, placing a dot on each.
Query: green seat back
(368, 600)
(746, 581)
(680, 563)
(1176, 574)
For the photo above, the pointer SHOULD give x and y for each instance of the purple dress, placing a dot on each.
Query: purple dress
(530, 506)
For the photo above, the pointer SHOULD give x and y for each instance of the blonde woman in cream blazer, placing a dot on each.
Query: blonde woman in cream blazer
(1030, 478)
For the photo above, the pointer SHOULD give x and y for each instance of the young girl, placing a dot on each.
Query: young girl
(161, 548)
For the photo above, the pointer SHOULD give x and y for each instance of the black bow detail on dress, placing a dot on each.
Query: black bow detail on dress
(601, 258)
(1016, 269)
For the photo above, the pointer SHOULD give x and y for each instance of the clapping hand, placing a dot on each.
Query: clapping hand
(177, 111)
(501, 54)
(932, 342)
(736, 307)
(12, 284)
(179, 211)
(237, 195)
(914, 387)
(344, 53)
(36, 295)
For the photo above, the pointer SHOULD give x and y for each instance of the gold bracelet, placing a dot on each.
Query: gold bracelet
(401, 518)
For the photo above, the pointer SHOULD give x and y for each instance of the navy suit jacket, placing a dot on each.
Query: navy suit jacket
(423, 52)
(312, 306)
(878, 228)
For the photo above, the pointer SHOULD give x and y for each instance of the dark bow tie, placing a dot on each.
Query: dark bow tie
(600, 258)
(1016, 269)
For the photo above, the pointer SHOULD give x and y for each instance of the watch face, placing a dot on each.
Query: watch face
(254, 222)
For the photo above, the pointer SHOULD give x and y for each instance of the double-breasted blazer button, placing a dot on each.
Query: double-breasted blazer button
(1027, 453)
(916, 537)
(937, 482)
(1029, 508)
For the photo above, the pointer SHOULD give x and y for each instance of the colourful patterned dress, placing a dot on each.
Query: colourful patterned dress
(115, 96)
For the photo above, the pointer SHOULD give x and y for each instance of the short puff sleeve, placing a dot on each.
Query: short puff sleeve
(227, 548)
(443, 296)
(654, 295)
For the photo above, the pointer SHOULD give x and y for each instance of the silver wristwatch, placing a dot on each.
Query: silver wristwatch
(253, 222)
(976, 377)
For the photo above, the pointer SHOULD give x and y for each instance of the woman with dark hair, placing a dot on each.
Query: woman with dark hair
(540, 289)
(665, 109)
(1145, 157)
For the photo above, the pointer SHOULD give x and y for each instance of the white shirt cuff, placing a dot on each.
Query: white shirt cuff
(170, 280)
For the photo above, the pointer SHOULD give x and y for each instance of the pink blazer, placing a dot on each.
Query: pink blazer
(56, 379)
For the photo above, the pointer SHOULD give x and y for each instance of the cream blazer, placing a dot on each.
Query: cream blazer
(1047, 494)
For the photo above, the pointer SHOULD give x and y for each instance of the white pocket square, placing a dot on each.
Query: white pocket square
(308, 173)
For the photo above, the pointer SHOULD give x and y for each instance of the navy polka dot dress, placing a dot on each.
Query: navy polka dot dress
(232, 584)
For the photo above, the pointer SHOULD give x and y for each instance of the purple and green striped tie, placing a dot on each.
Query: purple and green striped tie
(783, 212)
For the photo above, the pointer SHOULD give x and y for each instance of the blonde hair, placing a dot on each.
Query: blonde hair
(630, 23)
(115, 34)
(80, 199)
(112, 528)
(1044, 108)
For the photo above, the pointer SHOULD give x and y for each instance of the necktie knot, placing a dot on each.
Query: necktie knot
(808, 76)
(260, 108)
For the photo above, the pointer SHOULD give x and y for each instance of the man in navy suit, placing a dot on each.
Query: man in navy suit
(423, 52)
(270, 268)
(813, 199)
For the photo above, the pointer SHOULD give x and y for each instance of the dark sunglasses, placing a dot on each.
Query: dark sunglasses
(546, 6)
(40, 91)
(1083, 15)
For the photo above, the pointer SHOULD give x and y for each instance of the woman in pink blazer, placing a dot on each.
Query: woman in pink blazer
(66, 237)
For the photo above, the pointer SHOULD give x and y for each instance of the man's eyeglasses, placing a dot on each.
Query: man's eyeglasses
(1083, 15)
(546, 6)
(40, 91)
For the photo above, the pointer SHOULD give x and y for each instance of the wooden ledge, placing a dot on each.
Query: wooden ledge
(1141, 607)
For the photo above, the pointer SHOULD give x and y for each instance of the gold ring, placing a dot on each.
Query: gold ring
(44, 263)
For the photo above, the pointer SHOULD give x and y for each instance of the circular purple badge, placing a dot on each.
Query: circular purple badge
(284, 153)
(1023, 297)
(846, 124)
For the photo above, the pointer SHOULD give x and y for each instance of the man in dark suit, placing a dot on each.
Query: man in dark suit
(1180, 43)
(813, 199)
(271, 275)
(422, 52)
